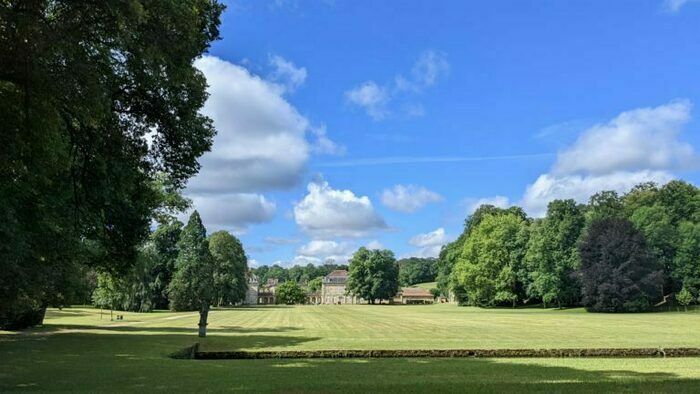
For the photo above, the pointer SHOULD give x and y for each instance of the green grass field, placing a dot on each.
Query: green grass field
(78, 351)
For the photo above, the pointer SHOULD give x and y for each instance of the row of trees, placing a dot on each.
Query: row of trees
(616, 253)
(180, 268)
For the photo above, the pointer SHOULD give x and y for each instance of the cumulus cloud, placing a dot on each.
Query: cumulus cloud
(641, 139)
(498, 201)
(286, 74)
(429, 244)
(327, 212)
(233, 211)
(375, 99)
(261, 143)
(324, 248)
(408, 198)
(637, 146)
(371, 97)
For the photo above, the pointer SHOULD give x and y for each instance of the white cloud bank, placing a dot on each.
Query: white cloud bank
(261, 142)
(408, 198)
(636, 146)
(326, 213)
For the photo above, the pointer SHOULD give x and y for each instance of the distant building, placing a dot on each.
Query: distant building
(414, 295)
(333, 292)
(333, 288)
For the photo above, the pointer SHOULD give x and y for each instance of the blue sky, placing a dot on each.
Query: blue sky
(350, 123)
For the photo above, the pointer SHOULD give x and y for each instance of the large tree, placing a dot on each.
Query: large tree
(230, 267)
(490, 268)
(552, 257)
(96, 98)
(192, 287)
(373, 275)
(618, 274)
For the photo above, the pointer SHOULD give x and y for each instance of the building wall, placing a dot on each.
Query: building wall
(335, 294)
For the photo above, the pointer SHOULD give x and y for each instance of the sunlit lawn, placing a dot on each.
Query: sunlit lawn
(75, 350)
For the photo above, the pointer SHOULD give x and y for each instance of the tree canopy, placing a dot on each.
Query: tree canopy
(373, 275)
(96, 99)
(230, 268)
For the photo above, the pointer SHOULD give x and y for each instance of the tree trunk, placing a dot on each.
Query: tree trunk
(203, 315)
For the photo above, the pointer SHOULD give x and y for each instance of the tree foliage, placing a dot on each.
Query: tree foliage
(192, 287)
(618, 274)
(551, 256)
(230, 268)
(490, 267)
(82, 84)
(373, 275)
(290, 293)
(415, 270)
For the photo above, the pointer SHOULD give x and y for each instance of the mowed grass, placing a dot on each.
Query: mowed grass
(76, 351)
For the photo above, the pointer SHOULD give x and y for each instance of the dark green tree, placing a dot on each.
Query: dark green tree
(618, 274)
(373, 275)
(290, 293)
(552, 256)
(192, 286)
(82, 84)
(231, 265)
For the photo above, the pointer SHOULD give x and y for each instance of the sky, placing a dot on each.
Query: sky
(385, 124)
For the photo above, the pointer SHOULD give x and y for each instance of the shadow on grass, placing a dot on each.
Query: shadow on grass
(136, 362)
(136, 328)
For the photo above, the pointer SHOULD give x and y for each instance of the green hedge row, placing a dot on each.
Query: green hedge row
(486, 353)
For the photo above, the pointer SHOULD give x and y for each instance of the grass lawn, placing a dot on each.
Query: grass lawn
(75, 350)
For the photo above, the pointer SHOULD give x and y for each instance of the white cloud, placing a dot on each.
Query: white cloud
(637, 146)
(282, 240)
(323, 144)
(498, 201)
(374, 244)
(233, 211)
(644, 138)
(429, 68)
(326, 212)
(375, 99)
(675, 5)
(260, 143)
(408, 198)
(429, 244)
(371, 97)
(320, 248)
(286, 74)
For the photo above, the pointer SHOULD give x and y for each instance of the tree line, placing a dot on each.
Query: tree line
(614, 254)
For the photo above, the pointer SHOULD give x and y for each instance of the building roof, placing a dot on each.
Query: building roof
(416, 292)
(337, 274)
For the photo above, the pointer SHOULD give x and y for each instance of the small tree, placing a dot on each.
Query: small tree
(316, 284)
(230, 267)
(192, 287)
(685, 297)
(290, 293)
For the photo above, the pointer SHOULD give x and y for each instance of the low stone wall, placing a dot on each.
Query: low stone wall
(443, 353)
